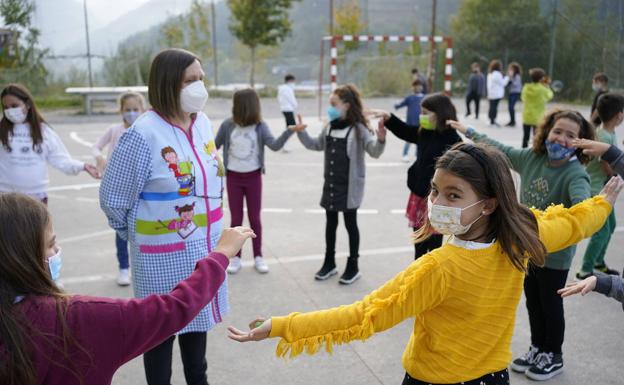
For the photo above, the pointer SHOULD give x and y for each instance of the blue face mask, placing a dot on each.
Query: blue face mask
(54, 264)
(333, 113)
(557, 151)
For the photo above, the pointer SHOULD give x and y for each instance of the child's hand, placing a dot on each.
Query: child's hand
(259, 330)
(612, 189)
(381, 131)
(93, 171)
(100, 164)
(232, 240)
(583, 287)
(377, 113)
(457, 126)
(299, 126)
(591, 147)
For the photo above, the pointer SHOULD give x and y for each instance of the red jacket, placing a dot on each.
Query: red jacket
(114, 331)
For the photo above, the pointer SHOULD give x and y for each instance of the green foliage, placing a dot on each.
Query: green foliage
(24, 62)
(348, 21)
(259, 23)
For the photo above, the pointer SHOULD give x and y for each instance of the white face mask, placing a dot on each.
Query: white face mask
(447, 220)
(193, 97)
(16, 115)
(130, 116)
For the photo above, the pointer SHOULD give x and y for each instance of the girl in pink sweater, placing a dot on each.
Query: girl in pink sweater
(50, 337)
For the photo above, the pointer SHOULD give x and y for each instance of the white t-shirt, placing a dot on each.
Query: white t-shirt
(26, 170)
(244, 154)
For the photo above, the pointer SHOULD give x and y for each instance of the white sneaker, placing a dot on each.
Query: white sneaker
(260, 265)
(123, 279)
(234, 266)
(405, 159)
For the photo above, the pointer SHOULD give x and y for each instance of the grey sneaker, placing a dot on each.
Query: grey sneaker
(522, 364)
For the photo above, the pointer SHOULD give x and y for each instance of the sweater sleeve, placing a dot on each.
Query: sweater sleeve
(515, 155)
(270, 141)
(401, 104)
(561, 227)
(58, 156)
(372, 146)
(148, 322)
(579, 188)
(611, 286)
(615, 157)
(103, 142)
(420, 287)
(316, 144)
(402, 130)
(128, 170)
(220, 137)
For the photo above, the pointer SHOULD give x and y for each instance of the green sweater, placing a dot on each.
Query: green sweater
(543, 185)
(594, 167)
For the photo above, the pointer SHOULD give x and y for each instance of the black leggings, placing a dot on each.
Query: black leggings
(157, 362)
(527, 129)
(498, 378)
(430, 244)
(493, 112)
(350, 218)
(545, 307)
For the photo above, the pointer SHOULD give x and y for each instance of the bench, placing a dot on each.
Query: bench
(89, 94)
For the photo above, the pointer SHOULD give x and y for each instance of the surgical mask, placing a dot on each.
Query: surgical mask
(193, 97)
(333, 113)
(447, 220)
(426, 123)
(291, 85)
(130, 116)
(557, 151)
(596, 87)
(16, 115)
(54, 264)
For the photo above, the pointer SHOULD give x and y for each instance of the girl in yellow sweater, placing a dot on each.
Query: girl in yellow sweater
(462, 295)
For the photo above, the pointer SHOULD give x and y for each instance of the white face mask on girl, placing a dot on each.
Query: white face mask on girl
(193, 97)
(447, 220)
(15, 115)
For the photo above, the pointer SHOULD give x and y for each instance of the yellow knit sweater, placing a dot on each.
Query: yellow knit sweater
(464, 303)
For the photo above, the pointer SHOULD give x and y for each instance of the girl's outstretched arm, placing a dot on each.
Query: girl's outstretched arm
(420, 287)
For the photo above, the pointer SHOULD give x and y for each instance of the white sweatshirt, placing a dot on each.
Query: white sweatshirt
(286, 98)
(26, 170)
(496, 83)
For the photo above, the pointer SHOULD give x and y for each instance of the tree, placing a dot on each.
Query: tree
(259, 23)
(25, 62)
(348, 21)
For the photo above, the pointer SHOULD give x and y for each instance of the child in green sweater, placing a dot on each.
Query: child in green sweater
(552, 172)
(610, 109)
(534, 95)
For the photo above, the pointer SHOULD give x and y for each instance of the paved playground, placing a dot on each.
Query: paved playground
(294, 245)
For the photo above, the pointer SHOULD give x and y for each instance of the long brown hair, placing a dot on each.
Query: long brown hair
(586, 131)
(33, 117)
(349, 93)
(24, 272)
(513, 225)
(165, 80)
(246, 107)
(443, 107)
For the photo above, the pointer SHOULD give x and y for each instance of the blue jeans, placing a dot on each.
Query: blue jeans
(513, 99)
(406, 147)
(122, 252)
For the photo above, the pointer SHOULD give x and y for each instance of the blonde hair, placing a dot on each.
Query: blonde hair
(129, 95)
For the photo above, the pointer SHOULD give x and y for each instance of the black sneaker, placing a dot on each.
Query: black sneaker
(510, 124)
(326, 271)
(581, 277)
(607, 270)
(523, 363)
(547, 366)
(351, 273)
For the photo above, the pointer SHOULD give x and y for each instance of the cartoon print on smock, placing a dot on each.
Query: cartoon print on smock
(184, 225)
(183, 171)
(537, 193)
(210, 148)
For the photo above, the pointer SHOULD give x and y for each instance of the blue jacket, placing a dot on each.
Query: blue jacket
(412, 102)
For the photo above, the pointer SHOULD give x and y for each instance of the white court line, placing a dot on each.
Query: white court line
(74, 186)
(320, 164)
(74, 136)
(86, 236)
(397, 211)
(269, 261)
(368, 211)
(276, 210)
